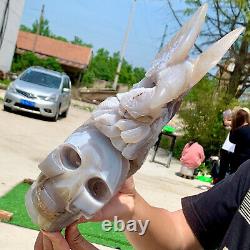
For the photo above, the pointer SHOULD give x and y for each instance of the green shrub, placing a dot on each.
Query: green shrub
(88, 79)
(202, 114)
(103, 66)
(164, 143)
(179, 145)
(204, 169)
(51, 63)
(28, 59)
(5, 82)
(245, 104)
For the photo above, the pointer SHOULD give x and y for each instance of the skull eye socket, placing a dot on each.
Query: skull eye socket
(98, 189)
(70, 158)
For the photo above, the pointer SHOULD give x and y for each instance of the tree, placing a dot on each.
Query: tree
(45, 31)
(103, 66)
(28, 59)
(203, 116)
(44, 27)
(100, 65)
(25, 28)
(61, 38)
(224, 16)
(78, 41)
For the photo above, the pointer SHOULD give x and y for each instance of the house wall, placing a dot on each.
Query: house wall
(9, 41)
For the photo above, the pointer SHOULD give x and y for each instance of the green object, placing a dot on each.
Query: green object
(204, 178)
(13, 202)
(168, 129)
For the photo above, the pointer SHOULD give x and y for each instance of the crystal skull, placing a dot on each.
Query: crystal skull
(78, 178)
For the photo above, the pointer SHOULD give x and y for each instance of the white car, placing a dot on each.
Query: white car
(40, 91)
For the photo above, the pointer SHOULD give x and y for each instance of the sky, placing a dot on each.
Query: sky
(103, 23)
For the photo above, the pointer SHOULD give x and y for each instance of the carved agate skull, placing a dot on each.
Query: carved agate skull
(77, 179)
(80, 176)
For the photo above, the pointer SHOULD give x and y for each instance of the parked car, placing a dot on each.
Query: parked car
(40, 91)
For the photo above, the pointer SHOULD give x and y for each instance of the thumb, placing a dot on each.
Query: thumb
(76, 240)
(56, 240)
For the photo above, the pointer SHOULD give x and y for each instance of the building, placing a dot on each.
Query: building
(73, 58)
(10, 18)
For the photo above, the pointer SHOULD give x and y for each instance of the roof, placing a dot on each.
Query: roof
(67, 53)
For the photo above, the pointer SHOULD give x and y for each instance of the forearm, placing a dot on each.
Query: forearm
(166, 230)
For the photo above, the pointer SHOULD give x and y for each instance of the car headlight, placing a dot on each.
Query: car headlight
(11, 89)
(48, 98)
(51, 98)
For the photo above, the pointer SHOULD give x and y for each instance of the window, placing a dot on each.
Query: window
(66, 83)
(41, 78)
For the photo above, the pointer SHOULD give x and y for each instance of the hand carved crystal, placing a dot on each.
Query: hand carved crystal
(80, 176)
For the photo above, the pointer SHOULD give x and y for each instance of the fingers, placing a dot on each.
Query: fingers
(54, 241)
(79, 221)
(47, 244)
(39, 242)
(128, 187)
(76, 240)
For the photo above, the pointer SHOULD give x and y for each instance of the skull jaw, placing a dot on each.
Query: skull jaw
(53, 222)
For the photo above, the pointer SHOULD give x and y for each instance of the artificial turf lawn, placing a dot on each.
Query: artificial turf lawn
(13, 202)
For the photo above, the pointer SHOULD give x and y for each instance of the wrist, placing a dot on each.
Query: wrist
(141, 208)
(135, 209)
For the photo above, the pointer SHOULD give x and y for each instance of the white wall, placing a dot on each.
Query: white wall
(9, 42)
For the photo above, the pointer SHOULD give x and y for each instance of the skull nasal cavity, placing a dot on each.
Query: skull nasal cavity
(70, 158)
(98, 189)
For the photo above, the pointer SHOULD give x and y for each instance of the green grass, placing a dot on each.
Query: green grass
(5, 82)
(13, 201)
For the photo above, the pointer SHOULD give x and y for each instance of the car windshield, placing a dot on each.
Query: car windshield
(41, 78)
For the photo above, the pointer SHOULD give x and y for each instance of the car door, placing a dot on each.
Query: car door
(66, 93)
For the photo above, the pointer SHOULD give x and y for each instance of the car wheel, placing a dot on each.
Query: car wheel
(65, 113)
(55, 118)
(6, 108)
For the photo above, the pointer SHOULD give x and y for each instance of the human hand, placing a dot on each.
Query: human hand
(55, 241)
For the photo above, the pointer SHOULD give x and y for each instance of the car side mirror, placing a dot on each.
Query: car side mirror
(65, 90)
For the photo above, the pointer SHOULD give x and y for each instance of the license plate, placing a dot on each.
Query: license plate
(28, 103)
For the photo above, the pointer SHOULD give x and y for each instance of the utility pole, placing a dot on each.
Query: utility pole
(163, 37)
(38, 28)
(124, 44)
